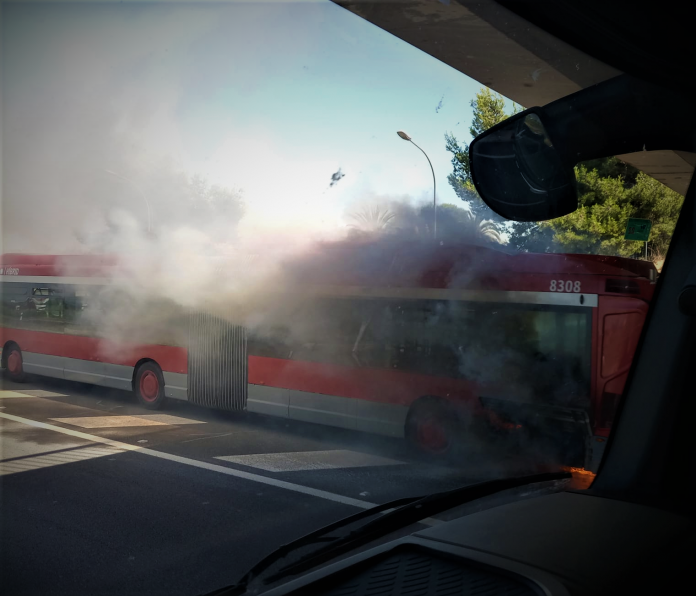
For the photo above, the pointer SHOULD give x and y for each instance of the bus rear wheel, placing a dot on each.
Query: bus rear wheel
(14, 364)
(149, 386)
(431, 427)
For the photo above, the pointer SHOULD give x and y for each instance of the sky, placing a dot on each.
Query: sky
(270, 98)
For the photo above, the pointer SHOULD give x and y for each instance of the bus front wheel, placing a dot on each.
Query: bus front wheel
(149, 386)
(431, 427)
(13, 363)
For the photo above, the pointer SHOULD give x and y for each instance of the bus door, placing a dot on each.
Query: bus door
(620, 322)
(537, 365)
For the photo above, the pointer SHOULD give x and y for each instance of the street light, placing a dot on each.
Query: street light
(140, 192)
(405, 137)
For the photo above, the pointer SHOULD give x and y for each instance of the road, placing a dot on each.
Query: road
(101, 496)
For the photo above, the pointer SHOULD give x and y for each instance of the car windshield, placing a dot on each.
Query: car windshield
(249, 288)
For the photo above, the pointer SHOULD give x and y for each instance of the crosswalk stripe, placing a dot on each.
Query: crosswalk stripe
(36, 462)
(299, 461)
(169, 419)
(11, 394)
(107, 421)
(42, 393)
(125, 421)
(6, 393)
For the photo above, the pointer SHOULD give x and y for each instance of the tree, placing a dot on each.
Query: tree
(460, 225)
(454, 224)
(605, 204)
(211, 203)
(167, 196)
(489, 110)
(371, 220)
(609, 192)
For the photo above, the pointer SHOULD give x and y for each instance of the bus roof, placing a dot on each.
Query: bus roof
(428, 264)
(58, 265)
(424, 264)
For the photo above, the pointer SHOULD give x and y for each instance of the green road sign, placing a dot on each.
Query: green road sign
(638, 229)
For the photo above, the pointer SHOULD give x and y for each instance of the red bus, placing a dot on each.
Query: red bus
(401, 339)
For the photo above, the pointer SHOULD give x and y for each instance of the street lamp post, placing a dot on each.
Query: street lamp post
(405, 137)
(140, 192)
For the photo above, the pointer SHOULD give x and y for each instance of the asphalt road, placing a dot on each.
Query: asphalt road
(101, 496)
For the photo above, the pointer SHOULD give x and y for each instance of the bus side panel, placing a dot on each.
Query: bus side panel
(366, 399)
(175, 385)
(96, 361)
(35, 360)
(332, 410)
(620, 322)
(371, 384)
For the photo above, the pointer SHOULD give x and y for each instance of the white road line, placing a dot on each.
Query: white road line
(12, 394)
(6, 393)
(208, 437)
(107, 421)
(310, 460)
(169, 419)
(298, 488)
(36, 462)
(42, 393)
(123, 421)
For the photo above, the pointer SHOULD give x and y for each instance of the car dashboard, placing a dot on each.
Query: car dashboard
(560, 544)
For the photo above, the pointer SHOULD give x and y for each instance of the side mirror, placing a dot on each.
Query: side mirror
(518, 171)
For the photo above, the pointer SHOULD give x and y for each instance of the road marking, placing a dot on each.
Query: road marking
(124, 421)
(107, 421)
(208, 437)
(36, 462)
(42, 393)
(298, 488)
(168, 419)
(29, 393)
(11, 394)
(310, 460)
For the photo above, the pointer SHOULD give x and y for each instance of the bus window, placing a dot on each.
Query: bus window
(563, 348)
(79, 308)
(326, 330)
(539, 354)
(426, 336)
(49, 301)
(36, 308)
(14, 297)
(372, 347)
(269, 341)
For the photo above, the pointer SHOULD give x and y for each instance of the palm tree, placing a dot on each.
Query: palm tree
(457, 223)
(372, 220)
(488, 229)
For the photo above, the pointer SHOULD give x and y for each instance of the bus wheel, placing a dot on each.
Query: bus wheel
(14, 365)
(149, 386)
(431, 427)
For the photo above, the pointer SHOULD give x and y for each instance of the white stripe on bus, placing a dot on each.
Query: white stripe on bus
(515, 297)
(410, 293)
(54, 279)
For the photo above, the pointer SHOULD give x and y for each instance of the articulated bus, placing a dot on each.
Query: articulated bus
(406, 340)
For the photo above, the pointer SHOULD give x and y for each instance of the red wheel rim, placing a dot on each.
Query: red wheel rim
(149, 386)
(14, 362)
(432, 435)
